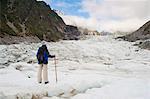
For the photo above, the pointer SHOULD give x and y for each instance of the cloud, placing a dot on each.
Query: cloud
(113, 15)
(104, 25)
(90, 23)
(109, 15)
(127, 25)
(119, 9)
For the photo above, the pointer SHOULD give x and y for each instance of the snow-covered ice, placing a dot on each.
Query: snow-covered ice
(98, 67)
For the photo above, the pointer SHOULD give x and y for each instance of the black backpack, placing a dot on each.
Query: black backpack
(40, 55)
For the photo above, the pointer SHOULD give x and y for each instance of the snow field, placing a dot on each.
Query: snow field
(99, 67)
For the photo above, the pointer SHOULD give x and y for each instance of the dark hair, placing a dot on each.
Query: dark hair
(44, 47)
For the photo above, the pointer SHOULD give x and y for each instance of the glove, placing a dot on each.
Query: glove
(51, 56)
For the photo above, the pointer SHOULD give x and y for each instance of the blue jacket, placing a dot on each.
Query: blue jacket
(43, 55)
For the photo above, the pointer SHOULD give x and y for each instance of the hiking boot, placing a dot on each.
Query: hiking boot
(47, 82)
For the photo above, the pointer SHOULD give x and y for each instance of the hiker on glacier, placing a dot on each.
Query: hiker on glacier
(42, 57)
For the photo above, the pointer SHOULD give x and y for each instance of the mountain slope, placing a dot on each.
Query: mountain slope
(142, 33)
(31, 18)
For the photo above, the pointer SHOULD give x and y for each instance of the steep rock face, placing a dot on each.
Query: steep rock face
(145, 45)
(142, 33)
(30, 18)
(72, 32)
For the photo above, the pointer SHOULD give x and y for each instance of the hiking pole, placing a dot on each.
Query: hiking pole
(55, 69)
